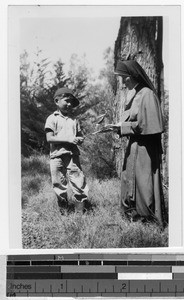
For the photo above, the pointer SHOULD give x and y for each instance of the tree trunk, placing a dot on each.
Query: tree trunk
(140, 38)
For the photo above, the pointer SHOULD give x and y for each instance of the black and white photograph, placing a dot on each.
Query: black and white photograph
(95, 138)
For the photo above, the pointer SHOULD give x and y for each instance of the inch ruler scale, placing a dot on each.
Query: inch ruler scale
(95, 275)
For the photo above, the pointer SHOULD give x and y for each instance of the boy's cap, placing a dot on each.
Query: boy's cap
(65, 90)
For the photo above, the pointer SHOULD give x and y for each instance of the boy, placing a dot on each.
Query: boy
(64, 134)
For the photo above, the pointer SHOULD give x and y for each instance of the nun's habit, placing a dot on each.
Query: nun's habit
(141, 190)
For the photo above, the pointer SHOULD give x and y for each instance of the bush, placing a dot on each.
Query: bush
(35, 164)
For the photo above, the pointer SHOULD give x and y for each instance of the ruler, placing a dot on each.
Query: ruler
(95, 275)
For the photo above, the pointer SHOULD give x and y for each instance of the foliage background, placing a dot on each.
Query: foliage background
(38, 85)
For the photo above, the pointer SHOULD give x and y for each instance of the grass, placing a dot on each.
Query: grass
(102, 227)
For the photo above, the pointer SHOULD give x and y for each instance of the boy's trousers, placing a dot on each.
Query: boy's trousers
(64, 169)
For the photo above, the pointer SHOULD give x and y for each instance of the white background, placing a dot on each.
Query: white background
(10, 208)
(175, 153)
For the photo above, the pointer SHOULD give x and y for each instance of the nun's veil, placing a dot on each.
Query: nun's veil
(132, 68)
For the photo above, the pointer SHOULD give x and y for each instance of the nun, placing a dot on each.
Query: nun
(141, 187)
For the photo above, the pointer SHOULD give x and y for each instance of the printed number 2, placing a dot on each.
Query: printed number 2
(123, 286)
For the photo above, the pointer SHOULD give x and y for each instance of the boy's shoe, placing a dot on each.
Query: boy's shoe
(88, 206)
(63, 206)
(71, 207)
(79, 206)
